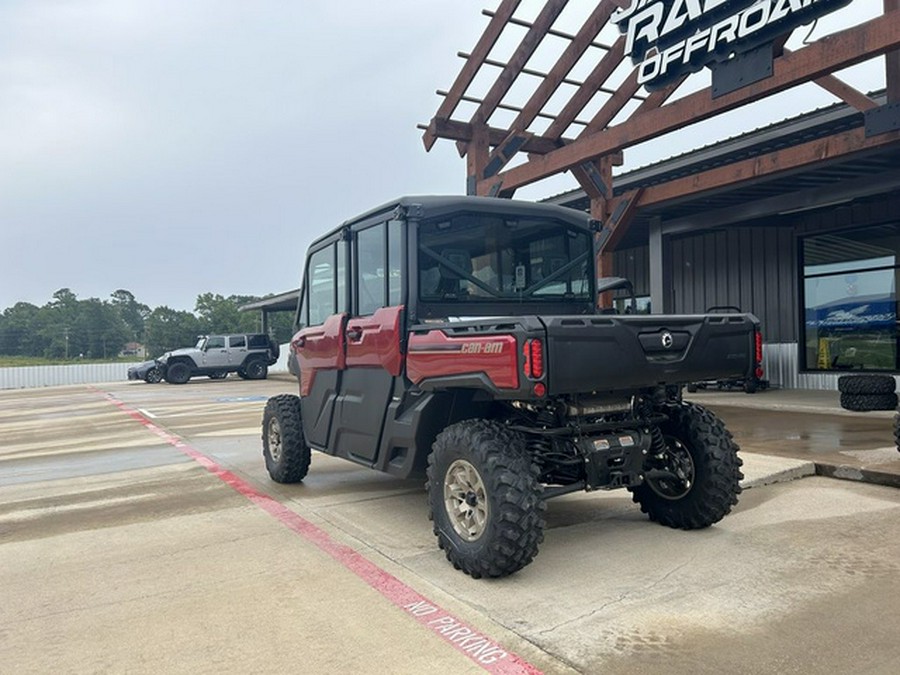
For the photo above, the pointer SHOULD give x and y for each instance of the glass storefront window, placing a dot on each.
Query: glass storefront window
(850, 300)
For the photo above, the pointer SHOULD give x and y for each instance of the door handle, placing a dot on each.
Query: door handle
(354, 334)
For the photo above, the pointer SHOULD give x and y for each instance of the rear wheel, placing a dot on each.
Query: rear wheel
(178, 373)
(694, 479)
(484, 499)
(256, 370)
(286, 453)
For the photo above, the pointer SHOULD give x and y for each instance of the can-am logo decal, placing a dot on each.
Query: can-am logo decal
(667, 38)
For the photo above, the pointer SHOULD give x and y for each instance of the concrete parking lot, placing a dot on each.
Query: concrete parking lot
(139, 532)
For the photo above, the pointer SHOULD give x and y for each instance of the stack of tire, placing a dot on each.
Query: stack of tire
(863, 393)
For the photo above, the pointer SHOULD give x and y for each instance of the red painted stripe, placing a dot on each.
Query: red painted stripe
(479, 648)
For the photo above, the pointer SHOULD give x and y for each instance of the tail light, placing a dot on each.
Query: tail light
(758, 340)
(533, 352)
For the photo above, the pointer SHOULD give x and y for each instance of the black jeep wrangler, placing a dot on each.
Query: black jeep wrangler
(461, 337)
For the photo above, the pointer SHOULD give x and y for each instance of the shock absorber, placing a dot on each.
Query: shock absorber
(541, 444)
(657, 442)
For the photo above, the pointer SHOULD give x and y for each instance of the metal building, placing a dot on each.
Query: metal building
(797, 221)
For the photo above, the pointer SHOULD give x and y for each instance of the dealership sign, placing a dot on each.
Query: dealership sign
(668, 38)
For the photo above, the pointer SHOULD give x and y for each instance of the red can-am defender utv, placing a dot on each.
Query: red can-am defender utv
(459, 337)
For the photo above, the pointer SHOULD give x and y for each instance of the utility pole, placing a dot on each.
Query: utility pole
(67, 342)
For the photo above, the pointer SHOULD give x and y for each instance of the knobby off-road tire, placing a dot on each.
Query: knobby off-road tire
(286, 453)
(484, 499)
(178, 373)
(897, 431)
(866, 384)
(701, 448)
(868, 402)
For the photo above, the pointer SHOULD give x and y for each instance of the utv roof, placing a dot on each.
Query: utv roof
(435, 206)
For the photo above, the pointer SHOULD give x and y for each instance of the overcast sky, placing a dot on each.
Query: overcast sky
(173, 148)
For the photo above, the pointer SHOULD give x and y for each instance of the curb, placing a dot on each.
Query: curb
(844, 472)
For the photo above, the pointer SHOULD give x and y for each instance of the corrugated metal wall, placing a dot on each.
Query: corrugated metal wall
(753, 268)
(634, 264)
(28, 377)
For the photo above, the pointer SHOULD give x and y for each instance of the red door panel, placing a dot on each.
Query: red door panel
(375, 340)
(320, 348)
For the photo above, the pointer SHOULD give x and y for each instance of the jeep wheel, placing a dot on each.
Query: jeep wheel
(286, 453)
(218, 375)
(256, 370)
(178, 373)
(153, 376)
(694, 480)
(484, 499)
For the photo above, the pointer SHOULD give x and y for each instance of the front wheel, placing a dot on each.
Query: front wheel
(692, 477)
(286, 453)
(178, 373)
(153, 376)
(484, 499)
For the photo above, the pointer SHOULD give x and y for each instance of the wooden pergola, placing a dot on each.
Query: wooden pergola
(542, 141)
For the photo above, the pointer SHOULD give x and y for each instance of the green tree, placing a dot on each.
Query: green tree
(219, 314)
(168, 329)
(132, 312)
(18, 336)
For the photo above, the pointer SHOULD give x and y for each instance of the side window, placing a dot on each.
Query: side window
(258, 341)
(342, 301)
(215, 342)
(395, 263)
(371, 269)
(320, 286)
(236, 341)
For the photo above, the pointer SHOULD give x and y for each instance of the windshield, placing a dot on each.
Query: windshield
(472, 258)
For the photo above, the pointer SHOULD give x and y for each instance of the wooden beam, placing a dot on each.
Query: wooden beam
(564, 64)
(520, 57)
(585, 93)
(623, 209)
(892, 61)
(470, 68)
(821, 150)
(849, 95)
(834, 52)
(554, 78)
(476, 158)
(613, 106)
(462, 131)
